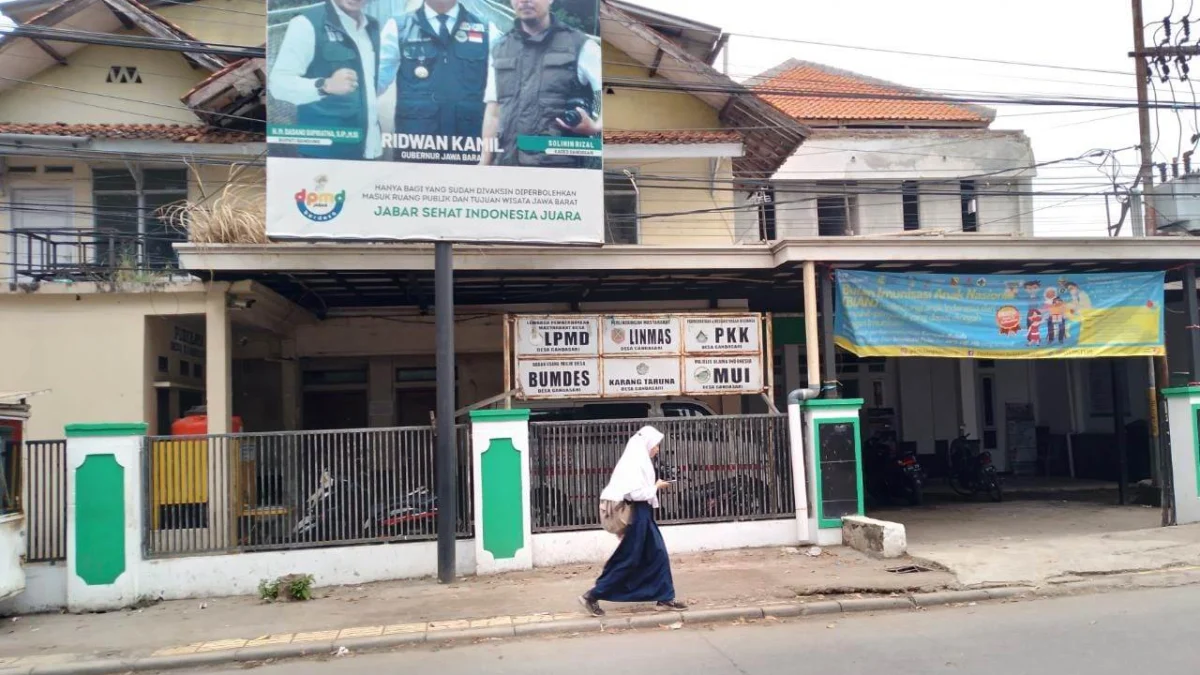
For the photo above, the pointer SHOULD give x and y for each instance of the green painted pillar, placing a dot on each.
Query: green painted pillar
(833, 460)
(503, 525)
(103, 515)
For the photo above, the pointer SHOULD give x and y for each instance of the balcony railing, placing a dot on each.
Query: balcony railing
(40, 255)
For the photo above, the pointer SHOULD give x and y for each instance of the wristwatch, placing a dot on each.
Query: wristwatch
(321, 86)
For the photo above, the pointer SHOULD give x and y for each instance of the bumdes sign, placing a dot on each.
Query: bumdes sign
(631, 356)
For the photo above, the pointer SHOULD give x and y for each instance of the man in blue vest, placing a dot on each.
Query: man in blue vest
(545, 82)
(326, 67)
(438, 56)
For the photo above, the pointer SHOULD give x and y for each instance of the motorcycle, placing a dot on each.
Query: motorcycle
(736, 497)
(891, 475)
(972, 472)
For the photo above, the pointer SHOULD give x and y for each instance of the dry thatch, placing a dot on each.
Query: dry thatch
(232, 212)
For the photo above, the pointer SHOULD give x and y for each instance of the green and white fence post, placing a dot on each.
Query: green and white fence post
(833, 463)
(104, 515)
(503, 522)
(1183, 415)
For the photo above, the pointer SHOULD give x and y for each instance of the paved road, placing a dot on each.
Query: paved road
(1116, 633)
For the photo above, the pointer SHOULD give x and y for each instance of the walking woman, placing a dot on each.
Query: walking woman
(639, 570)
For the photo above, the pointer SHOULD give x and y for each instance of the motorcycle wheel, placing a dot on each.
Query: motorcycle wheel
(959, 489)
(916, 495)
(995, 493)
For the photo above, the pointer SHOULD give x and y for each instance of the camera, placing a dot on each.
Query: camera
(571, 116)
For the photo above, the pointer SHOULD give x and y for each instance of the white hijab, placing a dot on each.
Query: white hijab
(633, 477)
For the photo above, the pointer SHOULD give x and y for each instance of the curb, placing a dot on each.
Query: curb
(557, 627)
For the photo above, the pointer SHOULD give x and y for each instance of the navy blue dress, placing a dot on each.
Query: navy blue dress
(639, 570)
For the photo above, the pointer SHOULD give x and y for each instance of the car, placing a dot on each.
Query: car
(623, 409)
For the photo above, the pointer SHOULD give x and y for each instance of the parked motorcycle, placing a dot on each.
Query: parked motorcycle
(972, 472)
(892, 475)
(736, 497)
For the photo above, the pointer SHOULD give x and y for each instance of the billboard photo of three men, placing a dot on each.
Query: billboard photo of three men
(455, 82)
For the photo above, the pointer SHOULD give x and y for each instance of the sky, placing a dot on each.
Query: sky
(1087, 34)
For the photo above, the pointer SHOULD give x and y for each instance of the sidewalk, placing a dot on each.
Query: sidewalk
(709, 580)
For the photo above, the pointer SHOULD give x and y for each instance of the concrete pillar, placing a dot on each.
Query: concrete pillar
(791, 368)
(104, 515)
(381, 392)
(223, 457)
(1183, 415)
(968, 396)
(503, 520)
(218, 339)
(289, 380)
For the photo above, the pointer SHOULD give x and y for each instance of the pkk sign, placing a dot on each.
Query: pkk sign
(724, 335)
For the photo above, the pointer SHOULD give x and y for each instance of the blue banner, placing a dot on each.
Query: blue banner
(1030, 316)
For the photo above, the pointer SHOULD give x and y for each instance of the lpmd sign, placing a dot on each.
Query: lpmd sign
(626, 356)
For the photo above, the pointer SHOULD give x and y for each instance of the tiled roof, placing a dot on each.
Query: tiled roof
(784, 87)
(673, 136)
(178, 133)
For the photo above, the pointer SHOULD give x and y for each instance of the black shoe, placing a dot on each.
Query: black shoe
(591, 604)
(670, 606)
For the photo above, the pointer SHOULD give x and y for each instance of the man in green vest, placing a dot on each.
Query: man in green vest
(545, 81)
(326, 67)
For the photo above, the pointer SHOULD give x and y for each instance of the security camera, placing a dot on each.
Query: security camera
(241, 303)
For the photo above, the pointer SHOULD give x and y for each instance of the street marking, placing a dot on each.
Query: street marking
(179, 651)
(364, 631)
(449, 625)
(492, 623)
(532, 618)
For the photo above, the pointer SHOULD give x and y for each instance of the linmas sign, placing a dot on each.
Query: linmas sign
(615, 356)
(1031, 316)
(385, 125)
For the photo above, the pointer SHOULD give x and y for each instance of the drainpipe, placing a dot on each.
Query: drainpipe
(800, 474)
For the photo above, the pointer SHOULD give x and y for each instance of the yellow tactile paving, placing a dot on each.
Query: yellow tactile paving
(270, 640)
(531, 618)
(179, 651)
(493, 622)
(396, 629)
(315, 637)
(221, 645)
(361, 632)
(449, 625)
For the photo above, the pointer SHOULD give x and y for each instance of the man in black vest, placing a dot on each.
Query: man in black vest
(438, 57)
(545, 81)
(326, 67)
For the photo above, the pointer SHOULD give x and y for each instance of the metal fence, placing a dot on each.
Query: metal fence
(729, 468)
(295, 490)
(45, 501)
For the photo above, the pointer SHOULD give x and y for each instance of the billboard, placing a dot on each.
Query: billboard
(1028, 316)
(636, 355)
(435, 120)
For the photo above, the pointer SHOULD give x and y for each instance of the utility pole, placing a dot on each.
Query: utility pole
(446, 462)
(1142, 73)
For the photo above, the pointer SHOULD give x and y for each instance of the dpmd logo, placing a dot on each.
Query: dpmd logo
(320, 205)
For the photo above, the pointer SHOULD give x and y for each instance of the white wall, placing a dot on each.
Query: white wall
(568, 548)
(929, 402)
(45, 590)
(12, 550)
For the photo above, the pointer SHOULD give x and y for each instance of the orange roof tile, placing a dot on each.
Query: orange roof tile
(672, 136)
(178, 133)
(784, 87)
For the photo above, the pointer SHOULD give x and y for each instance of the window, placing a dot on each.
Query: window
(10, 467)
(43, 217)
(834, 217)
(130, 202)
(970, 206)
(767, 223)
(620, 209)
(911, 196)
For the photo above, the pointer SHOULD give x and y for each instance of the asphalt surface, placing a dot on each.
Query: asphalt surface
(1117, 633)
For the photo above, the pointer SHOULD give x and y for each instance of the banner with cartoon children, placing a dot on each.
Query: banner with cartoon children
(1032, 316)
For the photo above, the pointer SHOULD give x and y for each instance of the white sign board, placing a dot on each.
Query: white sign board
(722, 334)
(557, 336)
(722, 375)
(559, 378)
(641, 335)
(641, 377)
(629, 356)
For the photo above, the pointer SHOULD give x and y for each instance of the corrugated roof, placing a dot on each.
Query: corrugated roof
(673, 136)
(178, 133)
(836, 95)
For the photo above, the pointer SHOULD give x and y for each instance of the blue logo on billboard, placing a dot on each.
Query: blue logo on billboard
(320, 205)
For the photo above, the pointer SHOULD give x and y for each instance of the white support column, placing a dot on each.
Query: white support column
(104, 515)
(503, 520)
(1183, 415)
(969, 396)
(222, 456)
(291, 386)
